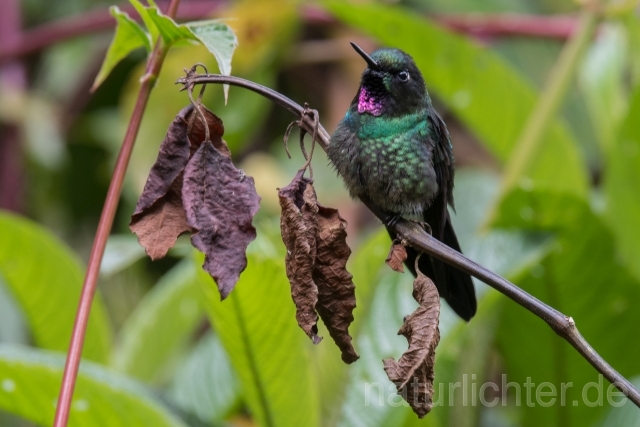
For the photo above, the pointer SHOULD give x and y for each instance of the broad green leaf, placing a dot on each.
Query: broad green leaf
(257, 327)
(623, 413)
(371, 399)
(143, 11)
(128, 37)
(30, 383)
(632, 26)
(121, 252)
(45, 278)
(214, 34)
(366, 264)
(170, 31)
(463, 358)
(602, 80)
(621, 183)
(161, 324)
(583, 278)
(218, 38)
(490, 97)
(205, 384)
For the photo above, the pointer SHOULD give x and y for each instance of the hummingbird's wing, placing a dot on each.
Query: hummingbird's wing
(455, 286)
(444, 168)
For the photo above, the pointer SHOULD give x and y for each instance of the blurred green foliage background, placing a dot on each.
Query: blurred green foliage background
(547, 145)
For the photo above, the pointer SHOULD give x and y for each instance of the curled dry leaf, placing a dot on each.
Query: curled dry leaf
(197, 133)
(220, 202)
(413, 373)
(159, 216)
(397, 256)
(336, 291)
(298, 225)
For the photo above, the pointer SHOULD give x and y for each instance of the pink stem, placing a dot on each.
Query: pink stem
(154, 65)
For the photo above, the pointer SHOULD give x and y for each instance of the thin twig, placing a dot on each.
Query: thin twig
(154, 65)
(416, 237)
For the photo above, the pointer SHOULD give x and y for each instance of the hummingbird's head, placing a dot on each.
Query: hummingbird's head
(391, 84)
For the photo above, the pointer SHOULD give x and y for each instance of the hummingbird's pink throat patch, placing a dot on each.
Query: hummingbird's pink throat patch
(367, 103)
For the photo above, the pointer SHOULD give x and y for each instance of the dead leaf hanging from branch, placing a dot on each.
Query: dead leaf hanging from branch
(220, 202)
(317, 254)
(194, 187)
(298, 225)
(159, 217)
(413, 373)
(336, 291)
(397, 256)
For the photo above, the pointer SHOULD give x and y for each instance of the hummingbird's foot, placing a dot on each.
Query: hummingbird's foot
(425, 226)
(392, 219)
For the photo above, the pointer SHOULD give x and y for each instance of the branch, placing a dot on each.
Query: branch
(417, 238)
(91, 22)
(154, 64)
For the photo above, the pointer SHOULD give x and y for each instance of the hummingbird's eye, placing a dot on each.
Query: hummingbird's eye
(403, 76)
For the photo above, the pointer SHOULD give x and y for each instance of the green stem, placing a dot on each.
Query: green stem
(552, 96)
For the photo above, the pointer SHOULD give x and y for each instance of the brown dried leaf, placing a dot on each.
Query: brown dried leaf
(160, 225)
(220, 202)
(159, 217)
(413, 373)
(396, 258)
(336, 291)
(216, 130)
(298, 224)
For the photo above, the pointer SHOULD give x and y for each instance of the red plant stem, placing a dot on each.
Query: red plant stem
(483, 25)
(13, 77)
(154, 65)
(91, 22)
(509, 24)
(478, 25)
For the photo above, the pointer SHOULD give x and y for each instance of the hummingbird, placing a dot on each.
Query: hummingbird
(393, 150)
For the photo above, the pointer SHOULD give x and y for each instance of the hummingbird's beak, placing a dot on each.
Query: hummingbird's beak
(372, 64)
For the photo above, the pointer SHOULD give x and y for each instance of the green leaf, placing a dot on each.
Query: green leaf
(582, 277)
(491, 98)
(463, 358)
(219, 38)
(602, 80)
(121, 252)
(30, 382)
(257, 327)
(370, 398)
(214, 34)
(170, 31)
(45, 278)
(626, 414)
(621, 184)
(128, 37)
(161, 324)
(143, 11)
(205, 384)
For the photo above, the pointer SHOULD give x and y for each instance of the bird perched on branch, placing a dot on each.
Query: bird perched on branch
(393, 150)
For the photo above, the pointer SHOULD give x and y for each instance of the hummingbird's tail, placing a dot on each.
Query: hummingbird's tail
(453, 285)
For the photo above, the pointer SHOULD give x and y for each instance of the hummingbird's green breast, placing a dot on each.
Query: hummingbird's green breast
(386, 159)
